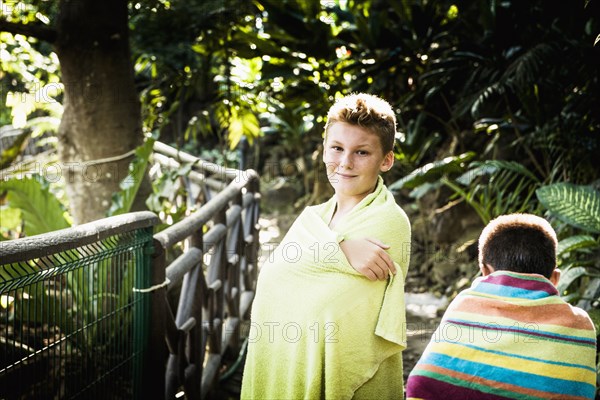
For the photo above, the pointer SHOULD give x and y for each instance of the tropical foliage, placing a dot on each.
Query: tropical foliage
(577, 207)
(497, 101)
(32, 208)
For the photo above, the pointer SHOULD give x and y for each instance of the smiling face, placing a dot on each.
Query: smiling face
(354, 158)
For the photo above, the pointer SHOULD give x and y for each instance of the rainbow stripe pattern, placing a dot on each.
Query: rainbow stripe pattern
(510, 336)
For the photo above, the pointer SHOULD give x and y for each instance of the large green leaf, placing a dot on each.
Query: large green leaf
(432, 171)
(491, 167)
(40, 209)
(576, 205)
(242, 123)
(10, 218)
(568, 277)
(575, 242)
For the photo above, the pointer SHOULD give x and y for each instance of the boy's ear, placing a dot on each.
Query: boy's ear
(486, 269)
(388, 162)
(555, 277)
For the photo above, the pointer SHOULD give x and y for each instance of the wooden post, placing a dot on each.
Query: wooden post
(153, 370)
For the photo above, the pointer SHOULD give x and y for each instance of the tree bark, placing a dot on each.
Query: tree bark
(101, 122)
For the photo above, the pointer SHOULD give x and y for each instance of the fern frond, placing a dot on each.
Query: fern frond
(576, 205)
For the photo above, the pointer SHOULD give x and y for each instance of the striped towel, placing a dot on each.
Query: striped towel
(321, 330)
(509, 336)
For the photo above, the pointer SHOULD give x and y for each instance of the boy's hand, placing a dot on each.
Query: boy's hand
(368, 256)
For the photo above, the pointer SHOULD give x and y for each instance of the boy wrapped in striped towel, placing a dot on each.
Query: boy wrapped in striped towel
(510, 335)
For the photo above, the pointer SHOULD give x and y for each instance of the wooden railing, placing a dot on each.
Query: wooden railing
(205, 293)
(197, 294)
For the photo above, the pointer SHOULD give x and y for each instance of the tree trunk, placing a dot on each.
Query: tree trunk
(101, 119)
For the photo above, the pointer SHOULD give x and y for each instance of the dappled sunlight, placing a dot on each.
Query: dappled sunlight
(269, 230)
(425, 305)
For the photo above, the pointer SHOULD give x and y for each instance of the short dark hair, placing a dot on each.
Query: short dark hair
(522, 243)
(367, 111)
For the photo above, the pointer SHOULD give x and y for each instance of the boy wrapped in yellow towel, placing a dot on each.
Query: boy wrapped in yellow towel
(328, 320)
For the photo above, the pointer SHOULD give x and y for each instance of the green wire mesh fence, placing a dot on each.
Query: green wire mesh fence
(72, 318)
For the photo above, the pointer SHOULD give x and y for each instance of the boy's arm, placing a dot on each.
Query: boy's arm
(368, 256)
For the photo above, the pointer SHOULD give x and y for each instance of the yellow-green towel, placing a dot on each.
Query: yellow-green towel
(320, 329)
